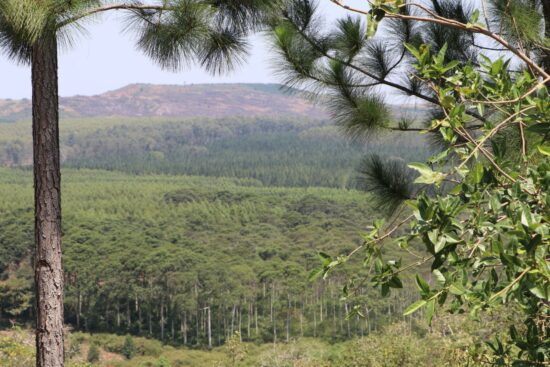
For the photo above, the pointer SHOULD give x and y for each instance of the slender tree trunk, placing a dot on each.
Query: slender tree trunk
(347, 321)
(184, 330)
(314, 321)
(128, 315)
(240, 324)
(233, 311)
(162, 320)
(198, 328)
(256, 319)
(47, 201)
(117, 316)
(219, 328)
(78, 311)
(225, 322)
(248, 314)
(288, 320)
(172, 330)
(150, 323)
(209, 328)
(139, 321)
(271, 302)
(302, 319)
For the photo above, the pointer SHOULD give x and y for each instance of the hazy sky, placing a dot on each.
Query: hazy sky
(106, 59)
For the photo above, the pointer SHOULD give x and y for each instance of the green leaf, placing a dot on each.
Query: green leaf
(441, 55)
(325, 258)
(422, 285)
(373, 19)
(413, 50)
(315, 273)
(415, 306)
(541, 128)
(541, 291)
(476, 174)
(440, 245)
(427, 175)
(544, 149)
(439, 277)
(430, 308)
(395, 282)
(475, 17)
(457, 289)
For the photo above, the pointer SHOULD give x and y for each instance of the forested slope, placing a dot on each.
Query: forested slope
(274, 150)
(163, 255)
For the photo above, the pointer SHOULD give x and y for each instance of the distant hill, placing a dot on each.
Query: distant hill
(200, 100)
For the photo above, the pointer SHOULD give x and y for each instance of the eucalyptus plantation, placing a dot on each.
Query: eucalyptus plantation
(173, 33)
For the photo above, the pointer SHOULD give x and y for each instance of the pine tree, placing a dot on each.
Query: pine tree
(173, 33)
(129, 348)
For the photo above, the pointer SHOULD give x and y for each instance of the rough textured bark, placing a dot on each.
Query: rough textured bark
(47, 189)
(546, 15)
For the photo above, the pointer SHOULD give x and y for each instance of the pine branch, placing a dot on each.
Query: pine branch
(381, 80)
(102, 9)
(436, 19)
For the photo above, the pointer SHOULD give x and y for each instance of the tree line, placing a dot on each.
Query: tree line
(276, 152)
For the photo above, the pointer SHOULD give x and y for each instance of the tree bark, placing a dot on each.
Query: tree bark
(209, 322)
(47, 201)
(162, 319)
(184, 329)
(79, 310)
(546, 15)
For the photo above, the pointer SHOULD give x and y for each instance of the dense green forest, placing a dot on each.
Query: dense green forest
(191, 260)
(277, 152)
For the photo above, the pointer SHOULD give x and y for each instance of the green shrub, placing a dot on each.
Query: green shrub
(129, 348)
(93, 354)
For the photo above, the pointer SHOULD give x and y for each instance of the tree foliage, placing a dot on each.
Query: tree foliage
(480, 206)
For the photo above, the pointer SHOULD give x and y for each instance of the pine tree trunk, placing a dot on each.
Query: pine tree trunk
(546, 14)
(47, 196)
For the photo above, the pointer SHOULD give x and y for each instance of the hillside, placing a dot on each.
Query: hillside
(204, 100)
(277, 152)
(199, 100)
(180, 244)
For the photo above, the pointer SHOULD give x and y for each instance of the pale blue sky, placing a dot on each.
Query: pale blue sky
(106, 59)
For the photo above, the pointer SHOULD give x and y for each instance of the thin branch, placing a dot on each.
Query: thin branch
(538, 86)
(106, 8)
(455, 24)
(381, 80)
(380, 239)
